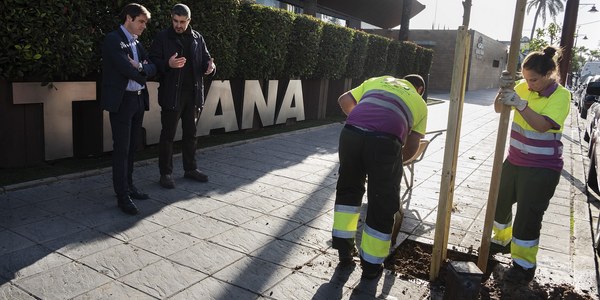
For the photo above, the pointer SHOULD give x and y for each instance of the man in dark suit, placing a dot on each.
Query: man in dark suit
(125, 69)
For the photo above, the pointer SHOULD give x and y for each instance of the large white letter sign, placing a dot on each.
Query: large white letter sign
(58, 113)
(220, 92)
(293, 92)
(253, 96)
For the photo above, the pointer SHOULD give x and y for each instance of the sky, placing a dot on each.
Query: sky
(496, 21)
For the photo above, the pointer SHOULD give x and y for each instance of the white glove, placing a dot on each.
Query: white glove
(506, 80)
(509, 97)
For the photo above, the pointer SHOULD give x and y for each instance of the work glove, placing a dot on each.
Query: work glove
(509, 97)
(506, 80)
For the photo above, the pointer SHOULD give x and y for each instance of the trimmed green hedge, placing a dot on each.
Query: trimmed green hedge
(358, 55)
(334, 48)
(375, 64)
(303, 48)
(61, 40)
(218, 22)
(408, 52)
(393, 58)
(45, 40)
(425, 62)
(263, 52)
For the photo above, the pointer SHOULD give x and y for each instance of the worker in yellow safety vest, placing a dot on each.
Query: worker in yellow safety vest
(532, 169)
(387, 118)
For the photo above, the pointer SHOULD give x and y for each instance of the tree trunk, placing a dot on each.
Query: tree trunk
(405, 22)
(537, 14)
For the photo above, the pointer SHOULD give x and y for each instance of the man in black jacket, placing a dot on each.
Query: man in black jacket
(125, 68)
(182, 59)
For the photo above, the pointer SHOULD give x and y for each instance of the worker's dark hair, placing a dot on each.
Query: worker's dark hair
(542, 62)
(181, 10)
(133, 10)
(416, 80)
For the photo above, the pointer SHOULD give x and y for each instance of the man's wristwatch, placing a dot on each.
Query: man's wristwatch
(140, 67)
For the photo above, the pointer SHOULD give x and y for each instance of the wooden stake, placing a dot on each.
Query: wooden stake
(457, 96)
(513, 56)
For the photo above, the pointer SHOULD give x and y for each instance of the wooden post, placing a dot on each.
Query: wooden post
(513, 56)
(457, 95)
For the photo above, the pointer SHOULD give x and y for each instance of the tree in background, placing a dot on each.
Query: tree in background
(542, 8)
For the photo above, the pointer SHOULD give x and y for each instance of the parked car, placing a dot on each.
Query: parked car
(593, 131)
(584, 100)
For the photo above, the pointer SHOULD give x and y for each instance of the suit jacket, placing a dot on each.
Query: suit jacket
(117, 71)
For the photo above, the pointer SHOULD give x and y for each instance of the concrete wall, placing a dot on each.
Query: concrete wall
(488, 57)
(443, 44)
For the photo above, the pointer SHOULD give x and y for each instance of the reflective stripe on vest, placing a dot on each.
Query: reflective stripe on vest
(345, 221)
(524, 252)
(375, 245)
(386, 99)
(502, 233)
(535, 136)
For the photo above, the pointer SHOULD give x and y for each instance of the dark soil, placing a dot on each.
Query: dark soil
(413, 260)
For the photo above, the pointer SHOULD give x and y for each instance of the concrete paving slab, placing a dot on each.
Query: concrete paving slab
(261, 227)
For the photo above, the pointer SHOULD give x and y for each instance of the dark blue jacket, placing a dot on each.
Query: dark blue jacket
(116, 70)
(166, 44)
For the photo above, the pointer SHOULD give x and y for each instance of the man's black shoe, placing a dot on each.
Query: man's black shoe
(518, 274)
(134, 193)
(126, 205)
(196, 175)
(167, 181)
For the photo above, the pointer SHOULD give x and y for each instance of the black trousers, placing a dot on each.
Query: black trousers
(378, 157)
(126, 126)
(169, 120)
(531, 189)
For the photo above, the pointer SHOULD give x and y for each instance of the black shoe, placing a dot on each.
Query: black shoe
(167, 181)
(347, 256)
(126, 205)
(497, 248)
(518, 274)
(196, 175)
(134, 193)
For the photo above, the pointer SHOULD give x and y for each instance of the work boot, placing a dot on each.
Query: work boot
(167, 181)
(369, 270)
(196, 175)
(347, 256)
(518, 274)
(497, 248)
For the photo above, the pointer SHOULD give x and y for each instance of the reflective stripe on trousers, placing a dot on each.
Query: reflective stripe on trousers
(375, 245)
(345, 221)
(524, 252)
(502, 233)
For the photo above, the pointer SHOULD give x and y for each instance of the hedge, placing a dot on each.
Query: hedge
(303, 47)
(393, 58)
(263, 52)
(356, 60)
(377, 55)
(334, 48)
(218, 22)
(61, 40)
(408, 52)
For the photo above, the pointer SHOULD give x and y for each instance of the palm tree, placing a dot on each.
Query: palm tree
(543, 7)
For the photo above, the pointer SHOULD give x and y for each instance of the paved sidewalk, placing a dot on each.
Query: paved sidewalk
(260, 228)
